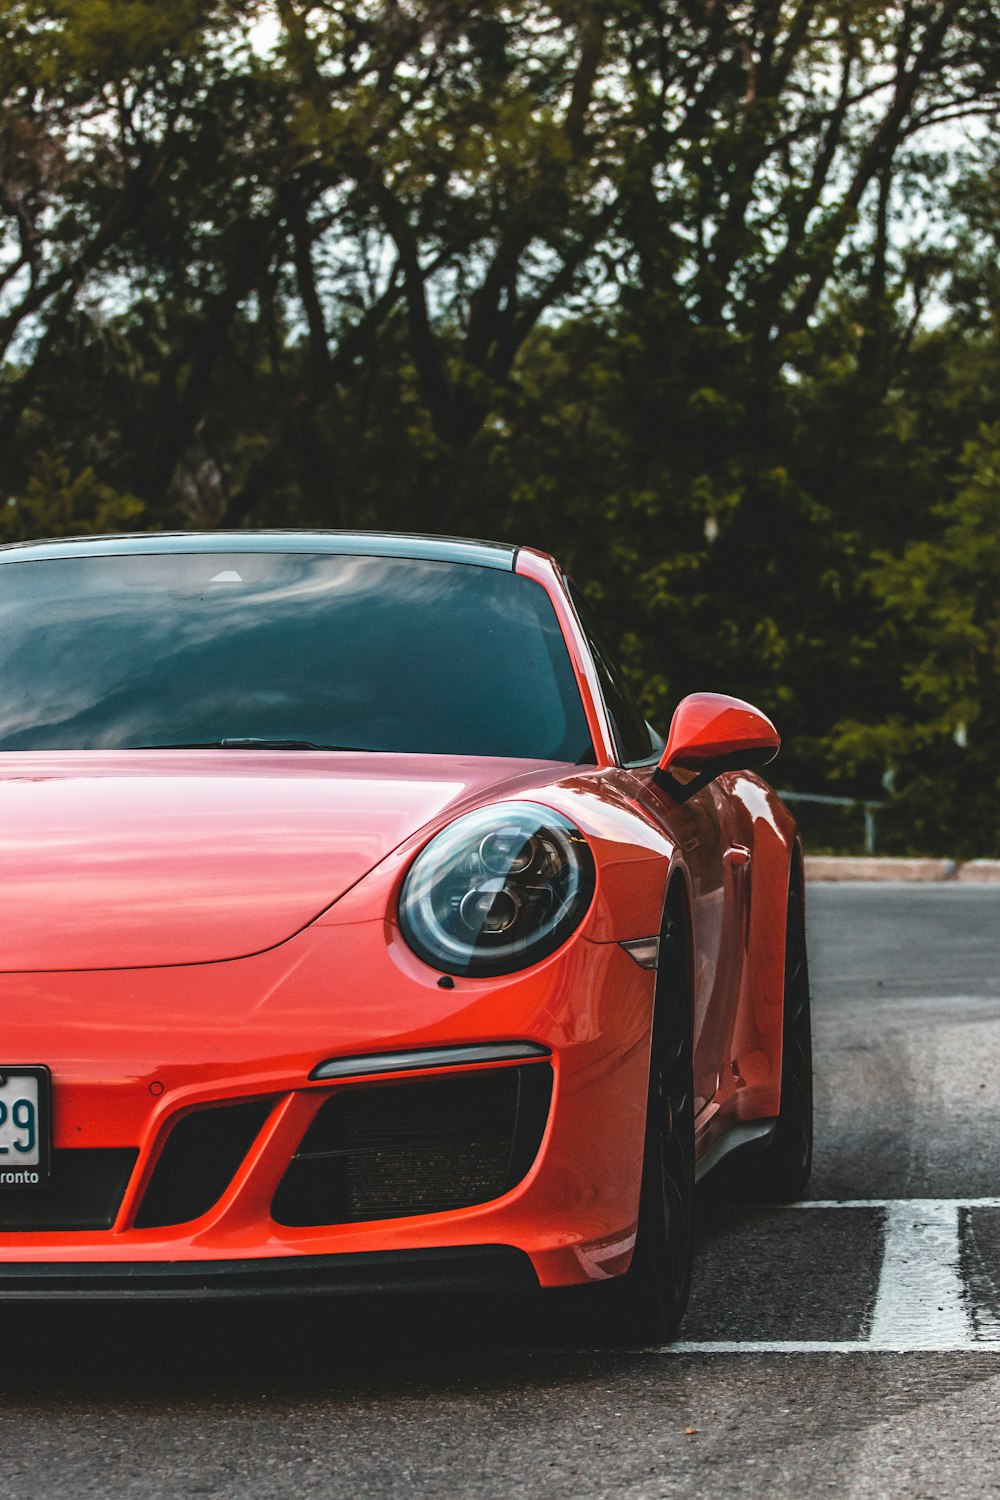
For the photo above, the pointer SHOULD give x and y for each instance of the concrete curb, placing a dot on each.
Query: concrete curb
(835, 867)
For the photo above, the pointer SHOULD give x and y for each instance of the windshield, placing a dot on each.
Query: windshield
(313, 649)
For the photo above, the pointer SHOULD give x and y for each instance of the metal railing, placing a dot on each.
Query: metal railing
(868, 808)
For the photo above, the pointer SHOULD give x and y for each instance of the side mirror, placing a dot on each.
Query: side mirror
(709, 734)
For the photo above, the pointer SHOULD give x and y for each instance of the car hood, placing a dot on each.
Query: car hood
(131, 859)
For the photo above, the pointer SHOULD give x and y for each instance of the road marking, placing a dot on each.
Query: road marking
(815, 1346)
(913, 1203)
(921, 1304)
(921, 1300)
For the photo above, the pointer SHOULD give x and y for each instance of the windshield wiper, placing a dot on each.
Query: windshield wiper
(251, 744)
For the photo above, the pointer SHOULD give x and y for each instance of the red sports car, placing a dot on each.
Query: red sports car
(358, 932)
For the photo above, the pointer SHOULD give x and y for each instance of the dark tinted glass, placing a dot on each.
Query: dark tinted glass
(632, 734)
(358, 652)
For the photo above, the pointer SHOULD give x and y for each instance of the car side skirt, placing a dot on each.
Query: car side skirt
(751, 1132)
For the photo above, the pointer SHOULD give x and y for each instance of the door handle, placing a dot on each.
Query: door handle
(738, 856)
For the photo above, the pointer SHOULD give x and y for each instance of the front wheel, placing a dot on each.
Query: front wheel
(788, 1161)
(647, 1303)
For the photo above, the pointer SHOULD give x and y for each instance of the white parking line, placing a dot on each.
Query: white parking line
(921, 1304)
(886, 1203)
(812, 1346)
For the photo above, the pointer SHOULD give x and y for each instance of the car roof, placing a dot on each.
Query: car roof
(499, 555)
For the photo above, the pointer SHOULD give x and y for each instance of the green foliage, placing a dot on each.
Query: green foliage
(941, 622)
(58, 503)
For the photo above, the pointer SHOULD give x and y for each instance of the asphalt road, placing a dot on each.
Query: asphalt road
(458, 1400)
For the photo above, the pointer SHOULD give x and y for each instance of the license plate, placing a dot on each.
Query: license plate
(25, 1110)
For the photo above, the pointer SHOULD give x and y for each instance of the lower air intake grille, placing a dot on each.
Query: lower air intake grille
(84, 1192)
(387, 1151)
(199, 1161)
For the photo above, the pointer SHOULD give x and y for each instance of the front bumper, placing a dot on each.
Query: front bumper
(133, 1052)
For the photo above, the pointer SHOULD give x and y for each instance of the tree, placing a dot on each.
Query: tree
(462, 168)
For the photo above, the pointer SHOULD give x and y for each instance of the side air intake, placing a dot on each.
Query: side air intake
(201, 1157)
(388, 1151)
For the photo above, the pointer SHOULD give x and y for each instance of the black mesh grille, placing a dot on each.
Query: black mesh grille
(198, 1162)
(84, 1191)
(391, 1150)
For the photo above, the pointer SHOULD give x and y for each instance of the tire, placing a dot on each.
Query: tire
(779, 1171)
(646, 1304)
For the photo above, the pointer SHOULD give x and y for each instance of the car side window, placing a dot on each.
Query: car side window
(633, 737)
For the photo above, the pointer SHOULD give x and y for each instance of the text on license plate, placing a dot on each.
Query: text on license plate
(21, 1126)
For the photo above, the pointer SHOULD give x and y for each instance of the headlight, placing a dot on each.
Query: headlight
(497, 890)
